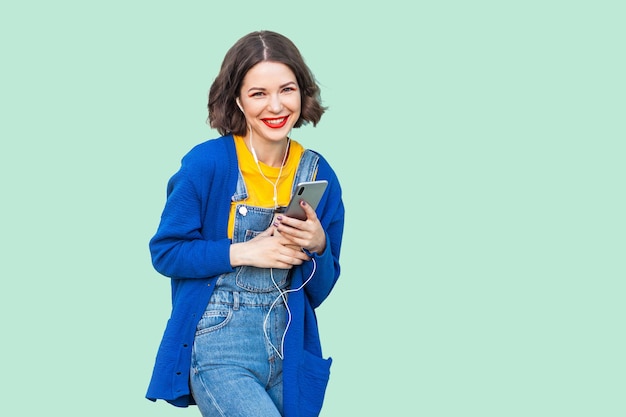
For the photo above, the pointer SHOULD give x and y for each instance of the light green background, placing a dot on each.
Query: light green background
(480, 148)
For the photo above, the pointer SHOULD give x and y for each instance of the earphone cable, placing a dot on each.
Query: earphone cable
(280, 352)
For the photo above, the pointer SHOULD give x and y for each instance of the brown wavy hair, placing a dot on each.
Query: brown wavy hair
(255, 47)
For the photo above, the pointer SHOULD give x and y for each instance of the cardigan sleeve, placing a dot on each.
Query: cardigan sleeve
(327, 267)
(182, 246)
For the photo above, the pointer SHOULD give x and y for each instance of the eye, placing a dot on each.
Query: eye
(257, 94)
(289, 89)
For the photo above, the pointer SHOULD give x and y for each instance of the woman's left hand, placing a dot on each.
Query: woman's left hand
(308, 234)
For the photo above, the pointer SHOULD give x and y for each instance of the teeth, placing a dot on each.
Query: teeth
(275, 121)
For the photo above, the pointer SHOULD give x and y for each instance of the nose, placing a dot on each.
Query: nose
(275, 104)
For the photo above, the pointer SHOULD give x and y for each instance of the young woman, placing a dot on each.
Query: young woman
(242, 339)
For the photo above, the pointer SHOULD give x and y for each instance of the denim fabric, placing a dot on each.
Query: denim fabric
(249, 222)
(235, 368)
(235, 371)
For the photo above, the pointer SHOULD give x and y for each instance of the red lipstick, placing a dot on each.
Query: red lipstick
(275, 122)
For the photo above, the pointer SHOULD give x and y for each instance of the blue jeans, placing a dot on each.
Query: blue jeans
(235, 371)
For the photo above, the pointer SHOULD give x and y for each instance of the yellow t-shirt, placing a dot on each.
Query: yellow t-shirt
(261, 190)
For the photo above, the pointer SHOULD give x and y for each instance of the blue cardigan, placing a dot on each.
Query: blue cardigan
(191, 247)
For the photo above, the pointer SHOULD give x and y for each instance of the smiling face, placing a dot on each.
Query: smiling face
(270, 99)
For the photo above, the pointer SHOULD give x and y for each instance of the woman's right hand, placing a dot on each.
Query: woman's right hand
(267, 250)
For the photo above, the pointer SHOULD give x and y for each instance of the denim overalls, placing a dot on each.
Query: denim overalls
(235, 364)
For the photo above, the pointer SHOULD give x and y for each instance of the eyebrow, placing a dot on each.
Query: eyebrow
(280, 86)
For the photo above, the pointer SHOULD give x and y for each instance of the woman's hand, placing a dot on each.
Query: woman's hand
(267, 250)
(308, 234)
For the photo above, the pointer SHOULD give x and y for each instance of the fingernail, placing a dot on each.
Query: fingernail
(303, 203)
(276, 224)
(279, 218)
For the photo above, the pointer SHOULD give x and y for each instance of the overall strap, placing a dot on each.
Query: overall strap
(241, 192)
(307, 169)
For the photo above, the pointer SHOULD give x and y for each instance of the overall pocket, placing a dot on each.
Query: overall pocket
(214, 319)
(255, 279)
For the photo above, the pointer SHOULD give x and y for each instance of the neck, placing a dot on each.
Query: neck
(270, 153)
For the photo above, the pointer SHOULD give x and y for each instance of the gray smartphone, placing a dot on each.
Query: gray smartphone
(311, 192)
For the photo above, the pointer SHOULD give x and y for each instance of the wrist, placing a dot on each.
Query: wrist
(237, 254)
(316, 249)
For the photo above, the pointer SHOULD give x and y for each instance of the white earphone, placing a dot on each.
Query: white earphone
(239, 104)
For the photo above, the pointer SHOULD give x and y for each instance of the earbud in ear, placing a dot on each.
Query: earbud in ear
(239, 104)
